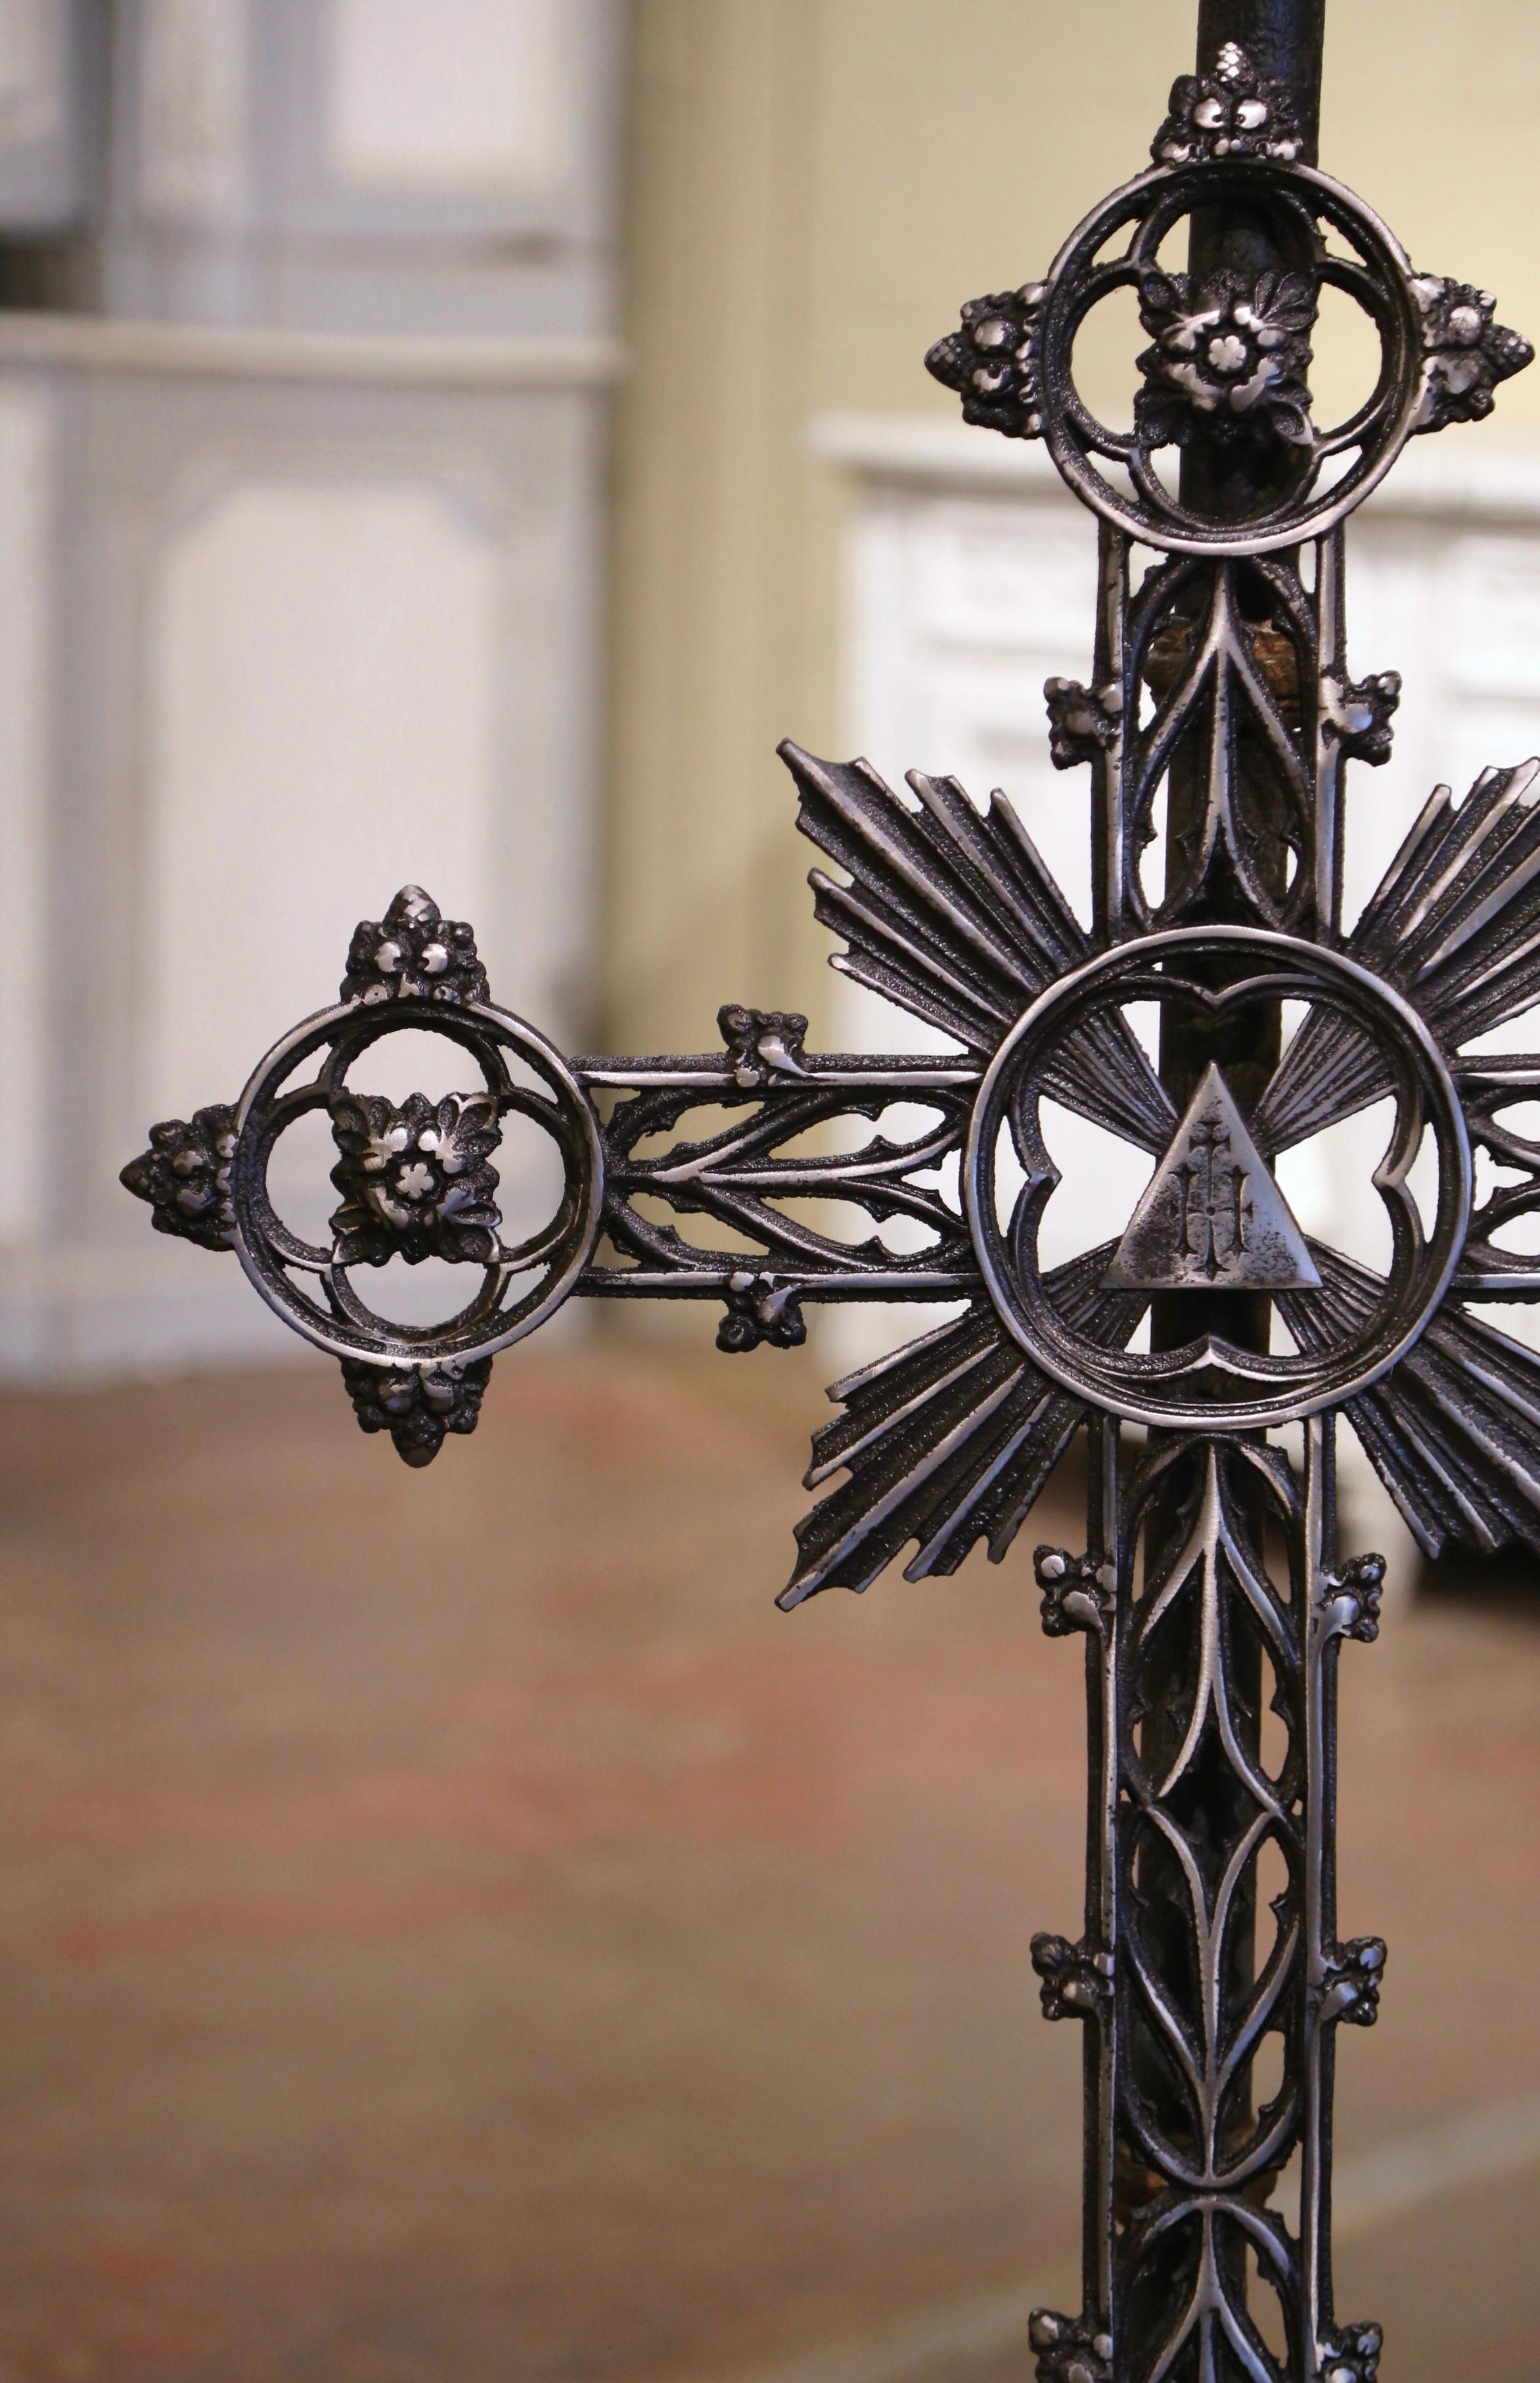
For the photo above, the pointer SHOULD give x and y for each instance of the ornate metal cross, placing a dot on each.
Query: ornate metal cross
(1208, 1352)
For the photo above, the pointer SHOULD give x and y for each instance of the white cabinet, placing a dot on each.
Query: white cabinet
(300, 543)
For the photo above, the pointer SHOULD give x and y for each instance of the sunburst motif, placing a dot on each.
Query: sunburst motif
(951, 912)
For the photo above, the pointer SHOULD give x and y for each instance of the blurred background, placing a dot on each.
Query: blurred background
(452, 1923)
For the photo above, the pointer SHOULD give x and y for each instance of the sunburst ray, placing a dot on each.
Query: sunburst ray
(947, 1441)
(1453, 1429)
(1455, 925)
(951, 913)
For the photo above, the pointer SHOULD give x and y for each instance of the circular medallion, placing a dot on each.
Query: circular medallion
(416, 1183)
(1297, 200)
(1213, 1218)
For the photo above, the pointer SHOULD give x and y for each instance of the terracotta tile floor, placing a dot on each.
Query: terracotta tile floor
(454, 1928)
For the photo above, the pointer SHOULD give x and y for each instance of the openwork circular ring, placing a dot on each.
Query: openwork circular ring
(1211, 1382)
(1379, 276)
(446, 1146)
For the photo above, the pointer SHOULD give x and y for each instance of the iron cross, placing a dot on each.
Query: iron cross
(1217, 728)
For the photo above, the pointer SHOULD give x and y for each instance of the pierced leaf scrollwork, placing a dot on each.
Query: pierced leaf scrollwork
(1204, 1802)
(1233, 690)
(756, 1179)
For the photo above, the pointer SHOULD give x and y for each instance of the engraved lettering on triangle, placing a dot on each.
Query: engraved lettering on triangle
(1213, 1218)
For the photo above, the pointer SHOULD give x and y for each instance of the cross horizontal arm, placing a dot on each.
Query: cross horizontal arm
(779, 1100)
(844, 1070)
(758, 1176)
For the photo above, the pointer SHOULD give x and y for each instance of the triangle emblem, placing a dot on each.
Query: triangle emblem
(1212, 1217)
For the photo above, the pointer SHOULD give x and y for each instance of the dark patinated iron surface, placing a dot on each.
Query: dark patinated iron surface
(1212, 1595)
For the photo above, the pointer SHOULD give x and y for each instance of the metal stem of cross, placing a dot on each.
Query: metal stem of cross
(1208, 1351)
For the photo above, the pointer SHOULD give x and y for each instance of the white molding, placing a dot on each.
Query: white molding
(26, 685)
(179, 351)
(1487, 480)
(34, 76)
(916, 447)
(194, 109)
(150, 424)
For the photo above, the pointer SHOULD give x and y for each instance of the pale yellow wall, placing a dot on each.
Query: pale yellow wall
(815, 187)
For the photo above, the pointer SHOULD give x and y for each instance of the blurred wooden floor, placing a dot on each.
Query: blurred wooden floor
(452, 1926)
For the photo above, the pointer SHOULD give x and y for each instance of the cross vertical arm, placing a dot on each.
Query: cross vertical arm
(1221, 691)
(1235, 820)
